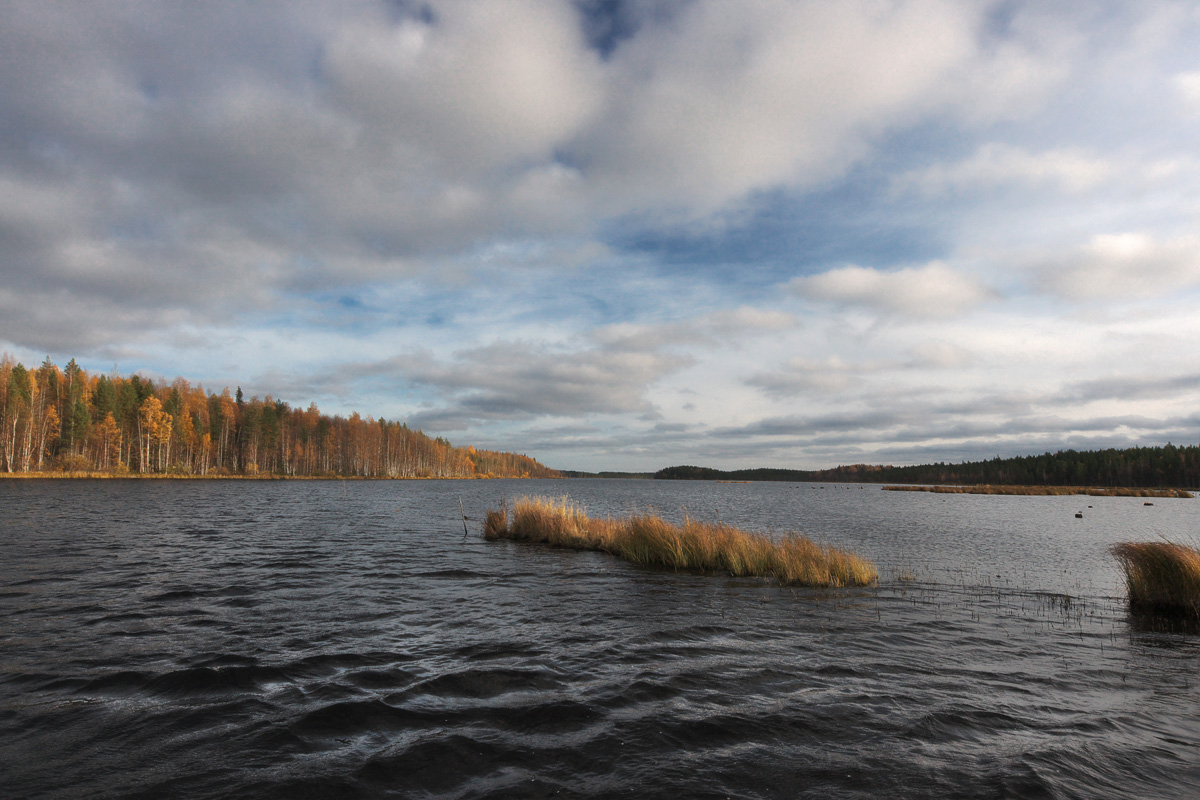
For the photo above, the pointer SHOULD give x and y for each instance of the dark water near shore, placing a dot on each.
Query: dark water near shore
(321, 639)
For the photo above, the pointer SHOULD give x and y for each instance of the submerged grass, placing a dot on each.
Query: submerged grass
(1119, 491)
(650, 540)
(1163, 578)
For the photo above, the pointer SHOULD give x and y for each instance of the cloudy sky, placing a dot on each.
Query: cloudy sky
(623, 235)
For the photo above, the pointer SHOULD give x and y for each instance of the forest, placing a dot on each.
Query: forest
(1140, 467)
(68, 421)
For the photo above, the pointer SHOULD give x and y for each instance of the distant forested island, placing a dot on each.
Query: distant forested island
(1143, 467)
(71, 422)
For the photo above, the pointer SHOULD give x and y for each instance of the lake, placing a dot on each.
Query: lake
(208, 639)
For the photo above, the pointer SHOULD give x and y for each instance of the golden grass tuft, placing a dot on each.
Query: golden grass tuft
(650, 540)
(1162, 578)
(495, 524)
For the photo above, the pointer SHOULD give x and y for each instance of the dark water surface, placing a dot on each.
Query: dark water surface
(321, 639)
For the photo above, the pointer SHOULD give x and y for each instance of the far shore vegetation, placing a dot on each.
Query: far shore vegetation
(69, 423)
(1169, 466)
(219, 476)
(1044, 490)
(648, 539)
(1163, 578)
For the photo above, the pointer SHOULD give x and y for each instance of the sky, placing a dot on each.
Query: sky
(623, 234)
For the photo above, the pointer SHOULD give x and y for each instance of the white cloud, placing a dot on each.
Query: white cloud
(996, 164)
(1187, 84)
(726, 98)
(1016, 75)
(1122, 266)
(803, 375)
(745, 319)
(479, 87)
(518, 380)
(940, 354)
(727, 328)
(932, 290)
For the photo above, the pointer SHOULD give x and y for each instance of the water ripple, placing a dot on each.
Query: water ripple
(293, 640)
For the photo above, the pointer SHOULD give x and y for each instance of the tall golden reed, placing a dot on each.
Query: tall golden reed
(1162, 577)
(650, 540)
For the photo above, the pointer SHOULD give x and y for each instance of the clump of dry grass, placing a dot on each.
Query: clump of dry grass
(650, 540)
(1162, 577)
(495, 524)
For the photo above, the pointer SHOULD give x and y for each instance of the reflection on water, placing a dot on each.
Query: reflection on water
(345, 640)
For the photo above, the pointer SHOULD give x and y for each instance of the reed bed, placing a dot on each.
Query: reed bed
(1119, 491)
(1163, 578)
(650, 540)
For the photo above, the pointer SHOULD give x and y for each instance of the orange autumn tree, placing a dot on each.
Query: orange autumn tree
(70, 420)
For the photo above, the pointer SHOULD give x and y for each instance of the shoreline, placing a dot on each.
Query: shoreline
(1056, 491)
(107, 476)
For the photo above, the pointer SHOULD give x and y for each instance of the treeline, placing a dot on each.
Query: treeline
(855, 473)
(1135, 467)
(70, 421)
